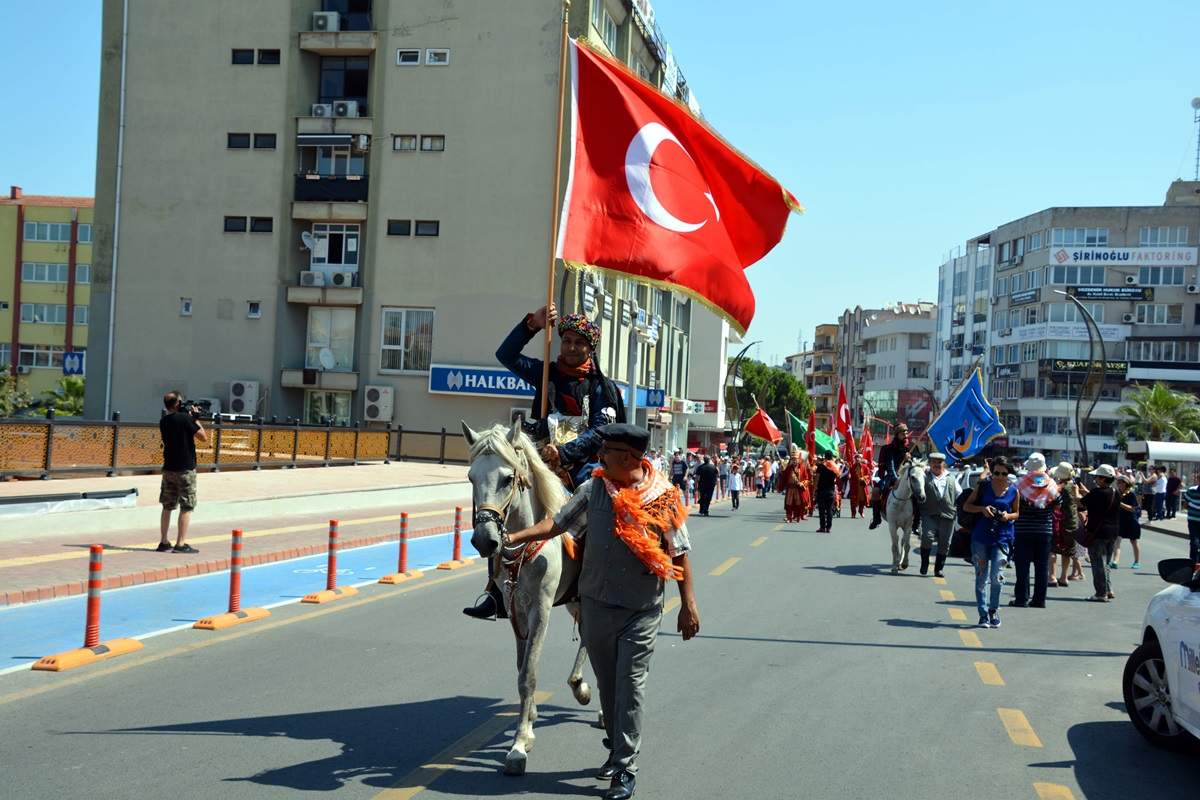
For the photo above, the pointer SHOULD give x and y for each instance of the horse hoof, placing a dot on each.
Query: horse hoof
(583, 693)
(599, 723)
(514, 763)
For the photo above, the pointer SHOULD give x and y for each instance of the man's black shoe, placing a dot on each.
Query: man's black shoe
(163, 547)
(606, 772)
(486, 608)
(874, 524)
(622, 786)
(184, 548)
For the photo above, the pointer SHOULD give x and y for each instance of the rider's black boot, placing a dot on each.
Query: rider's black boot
(490, 605)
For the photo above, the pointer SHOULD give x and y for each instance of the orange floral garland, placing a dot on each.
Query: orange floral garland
(636, 523)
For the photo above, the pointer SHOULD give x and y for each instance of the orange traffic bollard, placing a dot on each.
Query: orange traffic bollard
(236, 614)
(93, 650)
(456, 560)
(331, 592)
(402, 572)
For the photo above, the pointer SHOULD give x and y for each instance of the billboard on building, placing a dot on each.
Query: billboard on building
(914, 408)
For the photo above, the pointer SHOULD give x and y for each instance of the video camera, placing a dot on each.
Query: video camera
(196, 409)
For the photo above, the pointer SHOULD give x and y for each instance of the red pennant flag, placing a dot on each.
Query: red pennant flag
(867, 446)
(762, 426)
(810, 436)
(654, 194)
(843, 415)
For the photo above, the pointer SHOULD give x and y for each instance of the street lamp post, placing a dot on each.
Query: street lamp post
(1095, 342)
(734, 408)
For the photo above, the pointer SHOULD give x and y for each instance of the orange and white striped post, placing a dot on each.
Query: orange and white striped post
(402, 572)
(331, 592)
(93, 649)
(236, 614)
(456, 560)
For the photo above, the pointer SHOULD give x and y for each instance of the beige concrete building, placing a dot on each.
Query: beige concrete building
(304, 206)
(885, 360)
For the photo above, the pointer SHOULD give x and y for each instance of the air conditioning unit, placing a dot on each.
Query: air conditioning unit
(995, 300)
(243, 397)
(1193, 288)
(322, 110)
(343, 280)
(326, 21)
(22, 369)
(310, 277)
(1127, 318)
(1131, 280)
(345, 108)
(378, 403)
(1018, 259)
(1006, 332)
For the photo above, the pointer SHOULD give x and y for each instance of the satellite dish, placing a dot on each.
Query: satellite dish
(1196, 103)
(325, 356)
(306, 239)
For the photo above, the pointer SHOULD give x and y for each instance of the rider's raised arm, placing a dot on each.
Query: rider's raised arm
(509, 353)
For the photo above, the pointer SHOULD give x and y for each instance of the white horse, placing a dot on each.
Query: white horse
(910, 482)
(513, 489)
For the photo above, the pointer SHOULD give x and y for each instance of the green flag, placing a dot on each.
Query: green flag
(825, 444)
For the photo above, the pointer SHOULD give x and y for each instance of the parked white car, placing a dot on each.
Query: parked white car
(1162, 676)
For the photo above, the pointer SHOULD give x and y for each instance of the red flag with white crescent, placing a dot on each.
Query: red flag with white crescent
(843, 414)
(762, 426)
(654, 194)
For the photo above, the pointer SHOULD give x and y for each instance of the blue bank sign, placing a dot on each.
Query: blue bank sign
(476, 381)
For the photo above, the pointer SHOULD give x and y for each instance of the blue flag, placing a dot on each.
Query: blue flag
(967, 423)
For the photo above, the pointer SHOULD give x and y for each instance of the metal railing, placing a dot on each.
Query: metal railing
(50, 447)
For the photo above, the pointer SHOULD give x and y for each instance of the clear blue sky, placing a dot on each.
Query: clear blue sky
(903, 128)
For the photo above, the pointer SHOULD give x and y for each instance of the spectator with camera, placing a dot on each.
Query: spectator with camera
(179, 428)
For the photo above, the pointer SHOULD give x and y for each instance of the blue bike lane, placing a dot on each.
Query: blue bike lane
(28, 632)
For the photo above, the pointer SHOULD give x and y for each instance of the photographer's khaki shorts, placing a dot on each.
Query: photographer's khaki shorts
(178, 489)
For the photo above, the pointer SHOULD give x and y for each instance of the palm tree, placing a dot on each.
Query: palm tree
(67, 398)
(1158, 414)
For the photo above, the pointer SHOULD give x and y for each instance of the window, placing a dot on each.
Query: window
(399, 227)
(253, 309)
(1160, 276)
(5, 354)
(47, 231)
(40, 356)
(268, 56)
(44, 273)
(264, 141)
(1016, 283)
(1077, 276)
(83, 273)
(428, 227)
(185, 306)
(1033, 279)
(1029, 352)
(1005, 252)
(1079, 237)
(1013, 354)
(1055, 425)
(1068, 312)
(85, 233)
(344, 79)
(408, 58)
(44, 313)
(1002, 286)
(1015, 317)
(261, 224)
(610, 32)
(433, 143)
(960, 284)
(332, 160)
(437, 56)
(1102, 427)
(330, 339)
(956, 372)
(983, 277)
(1031, 315)
(404, 141)
(322, 407)
(918, 341)
(1035, 241)
(598, 14)
(235, 224)
(918, 370)
(1179, 351)
(407, 342)
(1028, 388)
(1030, 425)
(334, 245)
(1163, 236)
(1159, 314)
(243, 56)
(81, 315)
(642, 70)
(237, 141)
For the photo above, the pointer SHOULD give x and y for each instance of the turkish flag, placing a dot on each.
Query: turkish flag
(810, 436)
(654, 194)
(843, 414)
(867, 445)
(762, 426)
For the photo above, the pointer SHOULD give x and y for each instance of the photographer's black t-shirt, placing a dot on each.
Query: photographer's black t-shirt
(178, 432)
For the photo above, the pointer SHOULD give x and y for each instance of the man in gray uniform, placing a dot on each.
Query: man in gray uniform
(938, 513)
(622, 589)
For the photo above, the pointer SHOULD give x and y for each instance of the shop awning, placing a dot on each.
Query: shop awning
(316, 139)
(1166, 451)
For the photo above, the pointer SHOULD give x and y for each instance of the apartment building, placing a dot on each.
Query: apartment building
(890, 376)
(340, 208)
(822, 379)
(45, 286)
(1133, 268)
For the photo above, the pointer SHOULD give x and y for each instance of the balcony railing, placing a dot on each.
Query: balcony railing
(332, 188)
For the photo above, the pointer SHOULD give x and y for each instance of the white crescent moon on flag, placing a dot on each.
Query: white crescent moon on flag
(637, 176)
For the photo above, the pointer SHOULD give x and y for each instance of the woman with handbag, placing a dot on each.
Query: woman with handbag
(1102, 529)
(995, 501)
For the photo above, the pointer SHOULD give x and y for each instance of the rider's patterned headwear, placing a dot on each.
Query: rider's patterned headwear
(579, 323)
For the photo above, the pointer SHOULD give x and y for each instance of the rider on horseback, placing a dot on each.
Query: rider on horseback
(893, 454)
(582, 399)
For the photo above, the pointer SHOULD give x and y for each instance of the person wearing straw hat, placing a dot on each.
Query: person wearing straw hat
(938, 513)
(1103, 527)
(1066, 522)
(1039, 495)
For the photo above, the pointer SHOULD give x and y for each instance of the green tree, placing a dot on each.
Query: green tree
(775, 389)
(67, 398)
(1159, 414)
(13, 399)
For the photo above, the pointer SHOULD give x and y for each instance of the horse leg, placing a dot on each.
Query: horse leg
(895, 546)
(906, 544)
(518, 754)
(579, 687)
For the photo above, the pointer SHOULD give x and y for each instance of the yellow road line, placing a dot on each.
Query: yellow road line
(970, 638)
(419, 779)
(758, 541)
(945, 594)
(940, 581)
(724, 566)
(82, 552)
(957, 614)
(209, 640)
(671, 605)
(988, 673)
(778, 527)
(1018, 727)
(1053, 791)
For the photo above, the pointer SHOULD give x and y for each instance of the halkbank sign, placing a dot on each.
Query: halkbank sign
(1131, 256)
(476, 381)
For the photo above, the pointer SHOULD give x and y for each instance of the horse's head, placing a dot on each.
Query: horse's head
(916, 478)
(495, 484)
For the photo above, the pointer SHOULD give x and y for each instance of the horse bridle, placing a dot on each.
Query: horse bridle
(498, 515)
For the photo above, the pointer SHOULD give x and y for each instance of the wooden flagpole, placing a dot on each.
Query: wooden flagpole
(554, 205)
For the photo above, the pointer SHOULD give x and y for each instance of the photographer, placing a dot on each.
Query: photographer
(179, 428)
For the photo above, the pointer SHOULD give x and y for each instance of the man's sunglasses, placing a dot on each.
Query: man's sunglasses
(1000, 474)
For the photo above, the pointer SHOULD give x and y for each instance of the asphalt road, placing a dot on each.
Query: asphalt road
(817, 674)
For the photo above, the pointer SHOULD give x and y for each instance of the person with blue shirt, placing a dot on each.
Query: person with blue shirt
(992, 537)
(1191, 498)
